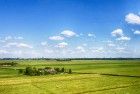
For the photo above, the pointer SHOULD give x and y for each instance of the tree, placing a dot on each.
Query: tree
(20, 71)
(62, 70)
(57, 69)
(70, 71)
(34, 71)
(29, 71)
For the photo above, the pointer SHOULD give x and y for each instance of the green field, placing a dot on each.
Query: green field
(88, 77)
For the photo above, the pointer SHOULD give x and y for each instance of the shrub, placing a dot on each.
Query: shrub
(62, 70)
(29, 71)
(13, 64)
(21, 71)
(41, 71)
(57, 69)
(47, 68)
(70, 71)
(35, 71)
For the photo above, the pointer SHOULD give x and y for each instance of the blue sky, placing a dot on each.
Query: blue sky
(69, 28)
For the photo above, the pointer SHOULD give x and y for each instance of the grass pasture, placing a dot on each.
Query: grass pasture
(89, 77)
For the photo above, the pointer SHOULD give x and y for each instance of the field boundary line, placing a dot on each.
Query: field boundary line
(107, 74)
(104, 89)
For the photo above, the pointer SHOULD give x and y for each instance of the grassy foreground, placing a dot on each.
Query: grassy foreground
(121, 77)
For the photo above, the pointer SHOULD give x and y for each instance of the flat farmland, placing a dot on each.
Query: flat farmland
(88, 77)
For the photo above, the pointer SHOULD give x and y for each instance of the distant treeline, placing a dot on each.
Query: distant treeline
(69, 59)
(8, 64)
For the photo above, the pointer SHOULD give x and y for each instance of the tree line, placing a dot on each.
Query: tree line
(8, 64)
(69, 59)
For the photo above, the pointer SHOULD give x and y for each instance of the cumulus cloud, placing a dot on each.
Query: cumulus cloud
(80, 49)
(19, 38)
(132, 18)
(62, 45)
(68, 33)
(8, 38)
(107, 41)
(15, 47)
(24, 45)
(121, 50)
(84, 44)
(56, 38)
(117, 33)
(20, 45)
(3, 51)
(48, 51)
(11, 44)
(44, 43)
(123, 38)
(137, 32)
(25, 53)
(111, 45)
(91, 35)
(98, 50)
(2, 41)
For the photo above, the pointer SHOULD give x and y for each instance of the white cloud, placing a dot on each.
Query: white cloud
(48, 51)
(24, 45)
(107, 41)
(56, 38)
(68, 33)
(91, 35)
(3, 52)
(21, 45)
(24, 53)
(19, 38)
(117, 33)
(62, 45)
(111, 45)
(2, 41)
(80, 49)
(20, 53)
(11, 38)
(11, 44)
(8, 38)
(44, 43)
(84, 44)
(132, 18)
(98, 50)
(121, 50)
(137, 32)
(123, 38)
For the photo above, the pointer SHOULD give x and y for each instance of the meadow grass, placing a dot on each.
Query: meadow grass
(86, 79)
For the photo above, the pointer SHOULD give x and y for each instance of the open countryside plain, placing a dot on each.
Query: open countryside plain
(88, 77)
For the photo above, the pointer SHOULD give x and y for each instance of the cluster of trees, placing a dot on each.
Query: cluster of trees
(8, 64)
(63, 59)
(33, 71)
